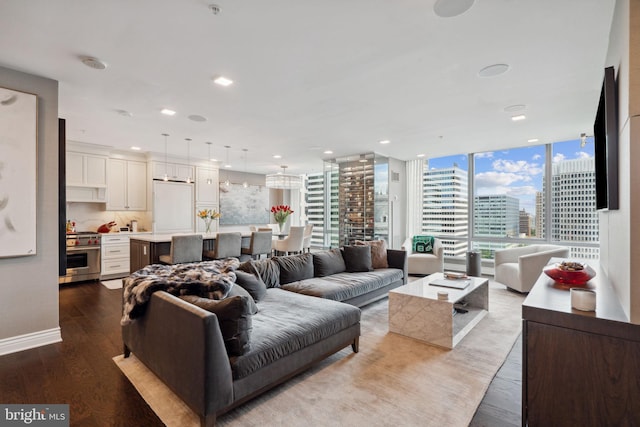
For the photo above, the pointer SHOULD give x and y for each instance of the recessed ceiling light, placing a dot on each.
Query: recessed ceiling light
(277, 156)
(167, 112)
(451, 8)
(532, 140)
(222, 81)
(135, 148)
(385, 141)
(420, 155)
(227, 166)
(197, 118)
(514, 108)
(92, 62)
(518, 117)
(328, 152)
(493, 70)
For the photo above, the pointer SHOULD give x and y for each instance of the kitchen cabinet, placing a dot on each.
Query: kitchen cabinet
(115, 256)
(207, 186)
(174, 171)
(127, 185)
(86, 177)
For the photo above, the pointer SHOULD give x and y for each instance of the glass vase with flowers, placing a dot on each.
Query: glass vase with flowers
(281, 214)
(208, 215)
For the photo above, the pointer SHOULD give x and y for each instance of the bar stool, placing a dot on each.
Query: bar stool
(184, 248)
(226, 245)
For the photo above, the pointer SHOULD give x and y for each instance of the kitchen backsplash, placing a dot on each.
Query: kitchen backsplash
(90, 216)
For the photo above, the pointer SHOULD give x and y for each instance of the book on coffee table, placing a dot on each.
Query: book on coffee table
(451, 283)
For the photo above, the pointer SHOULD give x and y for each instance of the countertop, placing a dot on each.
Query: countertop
(163, 237)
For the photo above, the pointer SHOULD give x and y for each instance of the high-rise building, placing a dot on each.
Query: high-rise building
(315, 207)
(496, 215)
(525, 223)
(540, 214)
(573, 211)
(445, 204)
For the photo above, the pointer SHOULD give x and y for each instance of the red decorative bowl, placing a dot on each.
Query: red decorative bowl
(569, 277)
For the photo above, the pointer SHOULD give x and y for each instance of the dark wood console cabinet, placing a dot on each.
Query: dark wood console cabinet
(579, 368)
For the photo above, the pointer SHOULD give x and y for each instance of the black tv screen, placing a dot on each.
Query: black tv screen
(605, 135)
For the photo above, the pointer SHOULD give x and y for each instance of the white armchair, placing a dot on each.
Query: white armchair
(519, 268)
(423, 264)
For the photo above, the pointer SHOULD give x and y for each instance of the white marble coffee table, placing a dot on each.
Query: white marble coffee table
(416, 312)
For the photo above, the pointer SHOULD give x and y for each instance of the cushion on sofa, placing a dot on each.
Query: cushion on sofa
(289, 322)
(239, 291)
(345, 286)
(378, 252)
(423, 244)
(234, 318)
(295, 267)
(251, 282)
(328, 262)
(268, 270)
(357, 258)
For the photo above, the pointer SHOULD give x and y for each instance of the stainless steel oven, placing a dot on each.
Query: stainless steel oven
(83, 257)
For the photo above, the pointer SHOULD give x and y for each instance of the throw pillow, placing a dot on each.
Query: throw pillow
(357, 258)
(423, 244)
(295, 267)
(252, 283)
(328, 262)
(239, 291)
(268, 270)
(234, 320)
(378, 252)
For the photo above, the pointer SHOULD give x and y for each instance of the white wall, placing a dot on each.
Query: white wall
(29, 285)
(620, 229)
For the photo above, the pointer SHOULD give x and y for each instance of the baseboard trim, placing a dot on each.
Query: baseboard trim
(27, 341)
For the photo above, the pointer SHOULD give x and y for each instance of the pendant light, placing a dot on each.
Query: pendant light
(166, 164)
(227, 165)
(189, 180)
(209, 180)
(245, 184)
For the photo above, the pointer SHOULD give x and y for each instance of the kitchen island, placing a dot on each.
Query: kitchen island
(146, 249)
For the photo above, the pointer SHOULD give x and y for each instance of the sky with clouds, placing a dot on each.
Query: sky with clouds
(517, 172)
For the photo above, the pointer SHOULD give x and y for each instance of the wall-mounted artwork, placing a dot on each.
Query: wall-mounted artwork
(244, 206)
(18, 177)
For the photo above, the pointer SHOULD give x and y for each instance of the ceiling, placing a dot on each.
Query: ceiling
(311, 76)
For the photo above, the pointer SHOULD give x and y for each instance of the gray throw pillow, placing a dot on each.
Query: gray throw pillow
(239, 291)
(268, 270)
(357, 258)
(295, 267)
(252, 283)
(328, 262)
(234, 319)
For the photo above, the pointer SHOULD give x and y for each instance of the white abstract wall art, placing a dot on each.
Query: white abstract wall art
(244, 206)
(18, 173)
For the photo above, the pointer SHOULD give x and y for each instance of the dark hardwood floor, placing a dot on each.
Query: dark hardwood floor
(79, 370)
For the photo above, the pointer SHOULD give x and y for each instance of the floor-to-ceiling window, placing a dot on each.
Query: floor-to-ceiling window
(493, 200)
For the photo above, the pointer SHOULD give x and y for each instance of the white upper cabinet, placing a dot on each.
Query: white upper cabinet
(206, 186)
(127, 185)
(174, 171)
(86, 170)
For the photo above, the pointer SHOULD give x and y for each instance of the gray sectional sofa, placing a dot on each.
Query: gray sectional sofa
(284, 314)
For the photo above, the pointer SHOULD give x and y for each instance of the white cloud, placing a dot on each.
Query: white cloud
(486, 155)
(525, 190)
(583, 155)
(558, 158)
(519, 166)
(536, 157)
(494, 180)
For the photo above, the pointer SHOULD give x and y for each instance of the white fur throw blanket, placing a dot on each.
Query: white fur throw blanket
(210, 279)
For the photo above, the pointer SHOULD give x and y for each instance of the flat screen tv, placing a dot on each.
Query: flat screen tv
(605, 135)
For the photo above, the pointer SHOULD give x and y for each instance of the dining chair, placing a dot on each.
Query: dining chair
(226, 245)
(291, 243)
(184, 248)
(259, 244)
(306, 243)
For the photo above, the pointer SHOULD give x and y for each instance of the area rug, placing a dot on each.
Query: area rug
(112, 284)
(392, 381)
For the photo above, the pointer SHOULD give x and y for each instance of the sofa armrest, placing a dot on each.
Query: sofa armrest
(398, 259)
(182, 344)
(408, 246)
(530, 266)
